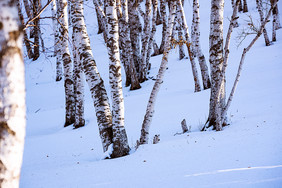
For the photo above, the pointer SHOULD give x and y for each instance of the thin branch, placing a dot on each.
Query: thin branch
(38, 14)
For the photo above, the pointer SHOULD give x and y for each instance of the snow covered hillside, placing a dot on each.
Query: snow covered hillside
(248, 153)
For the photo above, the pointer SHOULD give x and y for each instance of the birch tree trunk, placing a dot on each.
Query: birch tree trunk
(164, 22)
(245, 8)
(126, 49)
(216, 62)
(120, 142)
(12, 95)
(135, 32)
(195, 36)
(144, 138)
(152, 34)
(99, 18)
(260, 10)
(188, 44)
(59, 67)
(102, 16)
(260, 31)
(78, 89)
(95, 82)
(36, 30)
(275, 19)
(26, 40)
(63, 46)
(145, 41)
(180, 35)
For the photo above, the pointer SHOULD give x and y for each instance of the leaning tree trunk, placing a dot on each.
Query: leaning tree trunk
(12, 96)
(93, 78)
(195, 36)
(188, 44)
(260, 10)
(120, 142)
(144, 138)
(145, 41)
(259, 32)
(216, 62)
(64, 54)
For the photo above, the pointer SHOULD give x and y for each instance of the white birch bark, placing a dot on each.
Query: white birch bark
(216, 62)
(126, 49)
(135, 33)
(188, 44)
(152, 34)
(145, 41)
(26, 40)
(195, 37)
(260, 31)
(95, 82)
(59, 66)
(144, 138)
(260, 11)
(12, 95)
(120, 142)
(180, 35)
(274, 20)
(164, 22)
(36, 30)
(78, 89)
(245, 7)
(65, 58)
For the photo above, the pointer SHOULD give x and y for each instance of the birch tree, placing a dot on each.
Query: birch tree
(64, 57)
(36, 29)
(59, 66)
(126, 48)
(216, 62)
(12, 95)
(145, 41)
(120, 143)
(26, 40)
(152, 34)
(144, 138)
(93, 78)
(260, 11)
(135, 32)
(164, 22)
(195, 36)
(188, 44)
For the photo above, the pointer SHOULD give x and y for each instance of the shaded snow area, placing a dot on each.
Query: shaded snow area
(247, 153)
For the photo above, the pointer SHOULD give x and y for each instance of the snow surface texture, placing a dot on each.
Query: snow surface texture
(248, 153)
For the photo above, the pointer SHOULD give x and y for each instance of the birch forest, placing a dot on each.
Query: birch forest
(140, 93)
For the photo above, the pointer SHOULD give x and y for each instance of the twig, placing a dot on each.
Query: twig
(39, 13)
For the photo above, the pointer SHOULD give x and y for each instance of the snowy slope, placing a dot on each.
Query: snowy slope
(248, 153)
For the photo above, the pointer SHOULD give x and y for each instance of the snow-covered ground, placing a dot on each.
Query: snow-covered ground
(248, 153)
